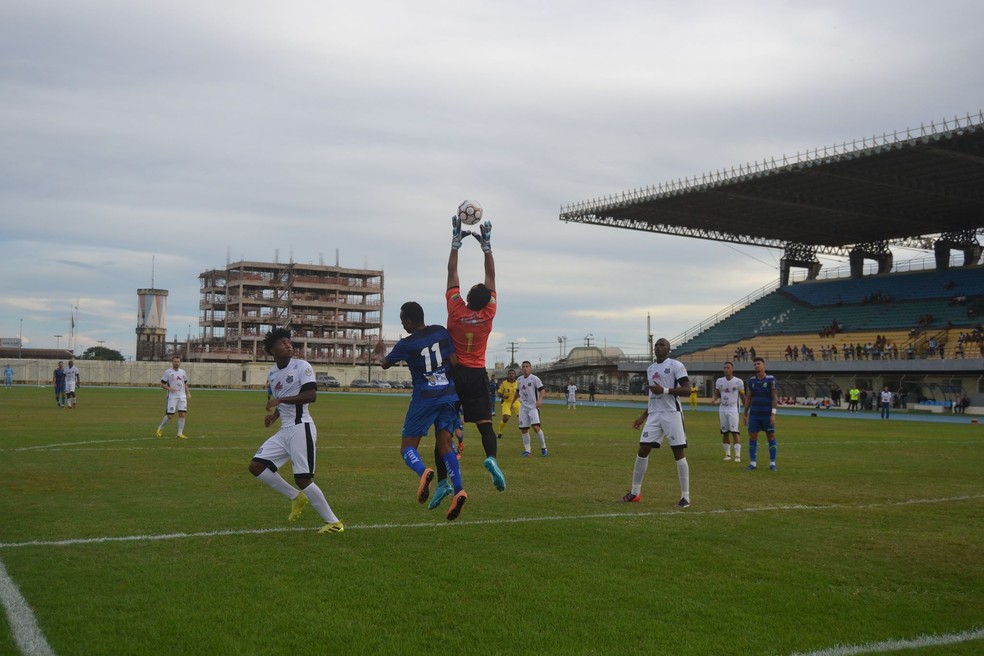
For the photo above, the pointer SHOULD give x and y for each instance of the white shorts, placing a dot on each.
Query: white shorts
(660, 425)
(296, 443)
(528, 416)
(69, 387)
(729, 422)
(176, 404)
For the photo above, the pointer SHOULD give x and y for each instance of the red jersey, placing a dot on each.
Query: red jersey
(469, 329)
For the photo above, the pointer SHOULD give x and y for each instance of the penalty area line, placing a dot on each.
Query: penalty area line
(899, 645)
(481, 522)
(24, 627)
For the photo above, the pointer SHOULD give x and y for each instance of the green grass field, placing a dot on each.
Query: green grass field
(121, 543)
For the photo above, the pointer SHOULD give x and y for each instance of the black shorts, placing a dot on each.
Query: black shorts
(472, 386)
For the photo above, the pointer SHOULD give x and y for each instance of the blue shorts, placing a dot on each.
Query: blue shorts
(421, 417)
(757, 424)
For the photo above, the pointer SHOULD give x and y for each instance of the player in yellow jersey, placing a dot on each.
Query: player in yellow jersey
(510, 402)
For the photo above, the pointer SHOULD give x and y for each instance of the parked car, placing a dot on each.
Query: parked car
(324, 380)
(380, 384)
(360, 383)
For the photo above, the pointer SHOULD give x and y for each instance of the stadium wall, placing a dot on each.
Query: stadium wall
(251, 375)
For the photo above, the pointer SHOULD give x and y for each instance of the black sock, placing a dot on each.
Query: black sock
(439, 466)
(489, 442)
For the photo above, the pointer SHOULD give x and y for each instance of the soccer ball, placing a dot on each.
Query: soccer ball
(470, 212)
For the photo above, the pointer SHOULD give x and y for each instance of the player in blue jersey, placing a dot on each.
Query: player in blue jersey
(429, 354)
(760, 412)
(58, 380)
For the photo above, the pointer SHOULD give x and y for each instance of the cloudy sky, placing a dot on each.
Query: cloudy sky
(149, 141)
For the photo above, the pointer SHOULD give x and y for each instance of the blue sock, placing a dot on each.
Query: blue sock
(753, 447)
(412, 458)
(772, 449)
(454, 470)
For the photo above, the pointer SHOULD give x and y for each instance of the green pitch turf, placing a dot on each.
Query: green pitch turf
(122, 543)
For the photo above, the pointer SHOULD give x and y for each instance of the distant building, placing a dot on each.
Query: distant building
(335, 313)
(151, 324)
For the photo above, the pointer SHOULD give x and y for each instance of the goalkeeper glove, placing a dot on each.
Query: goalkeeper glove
(456, 233)
(486, 239)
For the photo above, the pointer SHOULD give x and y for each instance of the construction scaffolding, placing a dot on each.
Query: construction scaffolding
(334, 313)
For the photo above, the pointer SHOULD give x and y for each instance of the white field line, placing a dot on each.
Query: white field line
(482, 522)
(191, 441)
(899, 645)
(195, 442)
(23, 625)
(42, 447)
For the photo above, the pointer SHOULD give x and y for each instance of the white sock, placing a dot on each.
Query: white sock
(164, 421)
(274, 480)
(727, 449)
(526, 442)
(683, 473)
(181, 426)
(319, 503)
(737, 449)
(639, 473)
(543, 439)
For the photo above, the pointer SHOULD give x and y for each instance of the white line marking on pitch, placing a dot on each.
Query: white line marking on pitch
(72, 446)
(41, 447)
(480, 522)
(898, 645)
(23, 625)
(196, 443)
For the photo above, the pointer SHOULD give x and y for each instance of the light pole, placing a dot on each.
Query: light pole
(58, 341)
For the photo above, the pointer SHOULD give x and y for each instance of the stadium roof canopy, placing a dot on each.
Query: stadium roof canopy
(909, 188)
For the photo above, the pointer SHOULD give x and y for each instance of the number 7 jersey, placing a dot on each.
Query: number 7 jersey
(469, 329)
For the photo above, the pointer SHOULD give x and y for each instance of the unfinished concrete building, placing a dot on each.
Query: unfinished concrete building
(335, 313)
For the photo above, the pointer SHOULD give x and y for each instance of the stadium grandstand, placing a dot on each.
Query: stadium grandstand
(912, 325)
